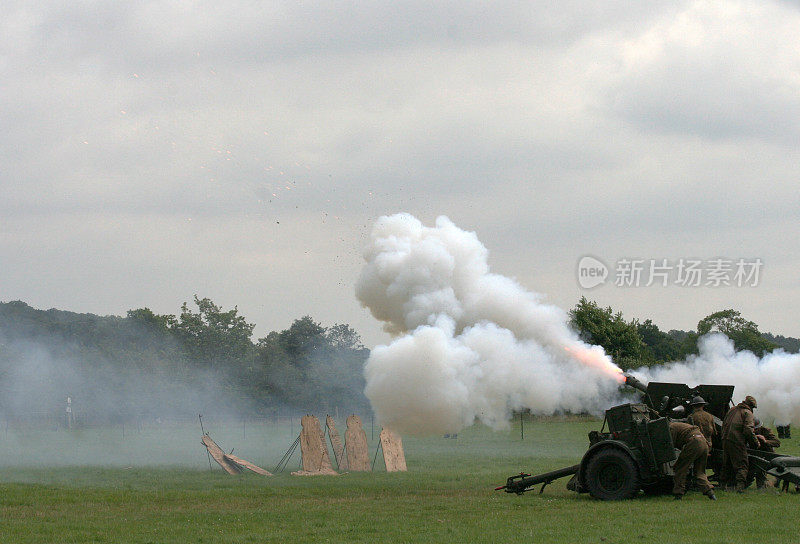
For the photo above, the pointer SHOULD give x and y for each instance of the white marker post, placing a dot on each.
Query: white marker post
(68, 414)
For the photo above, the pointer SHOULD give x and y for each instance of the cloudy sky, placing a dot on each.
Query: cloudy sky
(242, 150)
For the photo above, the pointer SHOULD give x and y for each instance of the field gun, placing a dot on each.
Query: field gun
(636, 453)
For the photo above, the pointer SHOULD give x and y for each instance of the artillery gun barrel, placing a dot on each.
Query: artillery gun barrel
(636, 384)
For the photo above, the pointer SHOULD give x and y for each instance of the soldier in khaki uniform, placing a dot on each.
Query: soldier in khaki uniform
(702, 419)
(767, 441)
(694, 453)
(737, 434)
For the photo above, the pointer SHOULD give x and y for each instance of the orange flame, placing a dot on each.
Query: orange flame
(597, 360)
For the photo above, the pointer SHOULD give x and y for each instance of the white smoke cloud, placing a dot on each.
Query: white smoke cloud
(471, 344)
(774, 380)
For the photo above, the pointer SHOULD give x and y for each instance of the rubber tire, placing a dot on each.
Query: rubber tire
(612, 475)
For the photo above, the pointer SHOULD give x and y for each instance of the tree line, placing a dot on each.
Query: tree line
(638, 343)
(146, 363)
(202, 356)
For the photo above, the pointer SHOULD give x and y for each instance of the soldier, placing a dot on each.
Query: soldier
(766, 442)
(737, 433)
(694, 453)
(702, 419)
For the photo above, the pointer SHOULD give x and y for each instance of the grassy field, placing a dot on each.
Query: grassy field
(447, 495)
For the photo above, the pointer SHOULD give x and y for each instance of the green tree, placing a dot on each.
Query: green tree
(310, 366)
(744, 333)
(212, 336)
(342, 336)
(601, 326)
(302, 339)
(274, 378)
(789, 344)
(686, 340)
(659, 347)
(150, 319)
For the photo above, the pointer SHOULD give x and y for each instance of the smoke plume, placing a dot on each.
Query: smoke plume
(774, 380)
(470, 345)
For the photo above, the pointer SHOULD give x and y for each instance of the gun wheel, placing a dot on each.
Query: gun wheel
(612, 475)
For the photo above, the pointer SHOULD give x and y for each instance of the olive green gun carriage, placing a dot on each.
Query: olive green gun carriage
(633, 450)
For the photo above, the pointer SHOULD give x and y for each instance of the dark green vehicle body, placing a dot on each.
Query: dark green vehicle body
(633, 450)
(636, 452)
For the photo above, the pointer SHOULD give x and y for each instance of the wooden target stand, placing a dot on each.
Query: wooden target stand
(350, 456)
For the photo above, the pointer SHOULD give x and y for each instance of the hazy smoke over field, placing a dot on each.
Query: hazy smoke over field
(120, 414)
(37, 382)
(472, 345)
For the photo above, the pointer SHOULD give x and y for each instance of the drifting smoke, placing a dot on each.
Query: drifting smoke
(774, 380)
(36, 383)
(122, 415)
(471, 344)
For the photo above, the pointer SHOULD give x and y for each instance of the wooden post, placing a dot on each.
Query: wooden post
(372, 468)
(203, 430)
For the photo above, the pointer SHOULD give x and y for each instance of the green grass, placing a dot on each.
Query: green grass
(447, 496)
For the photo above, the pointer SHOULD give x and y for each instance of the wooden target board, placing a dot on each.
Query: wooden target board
(247, 464)
(314, 451)
(219, 456)
(338, 448)
(355, 440)
(393, 454)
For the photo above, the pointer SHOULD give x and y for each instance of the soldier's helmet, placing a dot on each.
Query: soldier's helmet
(750, 401)
(698, 401)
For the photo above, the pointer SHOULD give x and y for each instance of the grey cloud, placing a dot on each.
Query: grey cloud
(169, 34)
(715, 71)
(242, 150)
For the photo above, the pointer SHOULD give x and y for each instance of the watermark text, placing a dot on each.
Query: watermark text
(682, 272)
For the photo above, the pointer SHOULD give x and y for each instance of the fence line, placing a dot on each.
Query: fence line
(47, 420)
